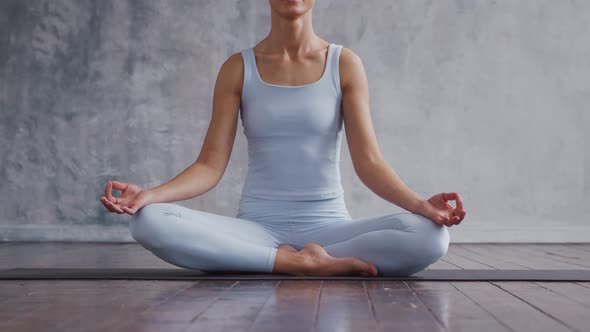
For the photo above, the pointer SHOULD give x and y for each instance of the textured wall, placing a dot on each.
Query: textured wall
(487, 98)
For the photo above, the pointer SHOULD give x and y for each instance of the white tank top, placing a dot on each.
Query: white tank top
(293, 133)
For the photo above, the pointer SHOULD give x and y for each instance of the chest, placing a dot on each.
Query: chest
(271, 111)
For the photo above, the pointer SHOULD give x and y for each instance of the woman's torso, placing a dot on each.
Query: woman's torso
(294, 135)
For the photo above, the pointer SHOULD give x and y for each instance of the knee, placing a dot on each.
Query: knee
(433, 239)
(422, 242)
(148, 225)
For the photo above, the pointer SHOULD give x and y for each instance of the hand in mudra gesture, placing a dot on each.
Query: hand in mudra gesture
(438, 210)
(132, 197)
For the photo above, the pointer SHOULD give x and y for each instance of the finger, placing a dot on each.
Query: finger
(459, 201)
(109, 206)
(445, 220)
(134, 206)
(123, 202)
(106, 204)
(120, 185)
(439, 220)
(452, 196)
(451, 221)
(128, 210)
(116, 207)
(108, 192)
(458, 216)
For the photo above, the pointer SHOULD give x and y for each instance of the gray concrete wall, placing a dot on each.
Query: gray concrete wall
(487, 98)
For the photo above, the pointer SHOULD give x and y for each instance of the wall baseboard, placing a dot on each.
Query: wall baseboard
(95, 233)
(73, 233)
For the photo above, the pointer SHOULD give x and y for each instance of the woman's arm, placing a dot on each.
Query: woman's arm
(367, 159)
(369, 164)
(206, 172)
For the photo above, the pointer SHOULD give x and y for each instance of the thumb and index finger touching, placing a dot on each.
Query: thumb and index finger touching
(459, 209)
(108, 190)
(122, 205)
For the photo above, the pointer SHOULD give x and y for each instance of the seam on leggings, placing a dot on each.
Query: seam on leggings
(379, 230)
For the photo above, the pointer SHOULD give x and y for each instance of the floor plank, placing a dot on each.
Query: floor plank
(487, 251)
(583, 284)
(236, 309)
(187, 304)
(58, 305)
(464, 262)
(529, 258)
(397, 307)
(544, 252)
(510, 310)
(580, 246)
(486, 259)
(563, 253)
(570, 290)
(442, 264)
(456, 311)
(177, 311)
(557, 306)
(294, 307)
(345, 305)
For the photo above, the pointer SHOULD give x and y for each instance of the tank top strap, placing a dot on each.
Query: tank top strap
(334, 65)
(249, 67)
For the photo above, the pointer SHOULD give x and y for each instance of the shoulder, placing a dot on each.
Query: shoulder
(351, 68)
(231, 73)
(349, 58)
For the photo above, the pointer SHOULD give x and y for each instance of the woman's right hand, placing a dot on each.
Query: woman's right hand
(132, 197)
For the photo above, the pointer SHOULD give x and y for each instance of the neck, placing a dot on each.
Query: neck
(291, 35)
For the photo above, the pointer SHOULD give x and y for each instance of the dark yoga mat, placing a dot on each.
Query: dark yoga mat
(186, 274)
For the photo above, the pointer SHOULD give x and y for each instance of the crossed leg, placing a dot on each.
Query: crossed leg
(202, 240)
(208, 242)
(397, 244)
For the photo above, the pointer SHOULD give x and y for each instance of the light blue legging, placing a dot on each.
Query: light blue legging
(397, 243)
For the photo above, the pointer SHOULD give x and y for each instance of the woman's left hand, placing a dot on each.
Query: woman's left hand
(438, 210)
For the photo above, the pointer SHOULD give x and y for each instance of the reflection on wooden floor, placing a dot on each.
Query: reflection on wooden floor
(293, 305)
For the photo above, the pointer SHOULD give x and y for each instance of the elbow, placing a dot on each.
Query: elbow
(216, 177)
(367, 165)
(214, 173)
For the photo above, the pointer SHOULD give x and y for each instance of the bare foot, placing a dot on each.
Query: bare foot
(320, 263)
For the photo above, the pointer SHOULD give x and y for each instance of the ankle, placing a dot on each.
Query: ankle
(306, 265)
(293, 263)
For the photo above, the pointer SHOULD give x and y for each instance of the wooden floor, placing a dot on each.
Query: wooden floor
(293, 305)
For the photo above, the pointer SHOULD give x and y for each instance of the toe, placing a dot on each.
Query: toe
(359, 266)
